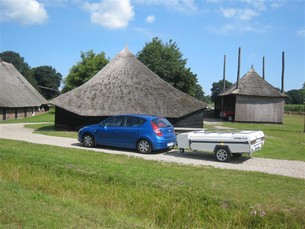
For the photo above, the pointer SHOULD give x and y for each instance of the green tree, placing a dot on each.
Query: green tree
(85, 69)
(48, 81)
(19, 63)
(217, 87)
(295, 96)
(166, 60)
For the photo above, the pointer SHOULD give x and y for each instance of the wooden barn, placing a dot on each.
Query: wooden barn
(253, 99)
(126, 86)
(18, 98)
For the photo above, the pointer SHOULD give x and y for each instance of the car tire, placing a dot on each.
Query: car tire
(144, 146)
(230, 118)
(181, 150)
(88, 140)
(222, 154)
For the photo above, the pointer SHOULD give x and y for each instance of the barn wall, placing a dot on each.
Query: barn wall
(7, 113)
(1, 113)
(193, 120)
(224, 103)
(259, 109)
(66, 120)
(70, 121)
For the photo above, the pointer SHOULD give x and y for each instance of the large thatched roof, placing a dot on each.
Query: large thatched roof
(125, 85)
(15, 90)
(251, 84)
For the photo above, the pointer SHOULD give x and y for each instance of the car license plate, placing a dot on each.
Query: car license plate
(170, 144)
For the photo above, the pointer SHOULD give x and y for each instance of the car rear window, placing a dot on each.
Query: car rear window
(162, 122)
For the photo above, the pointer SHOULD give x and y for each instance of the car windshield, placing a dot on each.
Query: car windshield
(162, 122)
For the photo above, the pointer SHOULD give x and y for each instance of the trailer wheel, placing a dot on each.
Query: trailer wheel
(181, 150)
(222, 154)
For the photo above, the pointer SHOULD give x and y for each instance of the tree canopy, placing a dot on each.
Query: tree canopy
(19, 63)
(48, 81)
(217, 87)
(295, 96)
(85, 69)
(166, 60)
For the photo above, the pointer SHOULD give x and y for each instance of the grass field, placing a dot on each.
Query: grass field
(52, 187)
(283, 141)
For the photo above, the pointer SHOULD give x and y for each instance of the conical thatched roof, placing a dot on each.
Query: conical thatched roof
(15, 90)
(252, 84)
(125, 85)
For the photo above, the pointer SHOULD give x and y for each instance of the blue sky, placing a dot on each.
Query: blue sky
(54, 32)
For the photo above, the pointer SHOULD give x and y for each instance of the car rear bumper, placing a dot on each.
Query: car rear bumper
(164, 144)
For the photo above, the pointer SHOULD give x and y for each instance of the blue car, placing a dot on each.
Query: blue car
(145, 133)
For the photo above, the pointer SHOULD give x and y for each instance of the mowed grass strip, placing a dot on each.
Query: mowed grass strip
(54, 187)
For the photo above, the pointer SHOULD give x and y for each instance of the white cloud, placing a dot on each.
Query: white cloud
(113, 14)
(301, 32)
(258, 4)
(237, 28)
(150, 19)
(242, 14)
(27, 12)
(176, 5)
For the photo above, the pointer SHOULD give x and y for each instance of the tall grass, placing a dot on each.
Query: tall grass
(53, 187)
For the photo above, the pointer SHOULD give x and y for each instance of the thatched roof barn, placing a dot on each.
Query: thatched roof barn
(253, 99)
(18, 98)
(125, 85)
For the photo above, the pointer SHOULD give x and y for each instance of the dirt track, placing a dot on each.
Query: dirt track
(279, 167)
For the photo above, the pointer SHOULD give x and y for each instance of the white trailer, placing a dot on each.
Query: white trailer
(223, 144)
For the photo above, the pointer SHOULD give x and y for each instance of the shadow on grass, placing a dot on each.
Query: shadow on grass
(119, 149)
(46, 128)
(199, 155)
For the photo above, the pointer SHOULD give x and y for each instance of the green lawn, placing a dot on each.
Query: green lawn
(283, 141)
(53, 187)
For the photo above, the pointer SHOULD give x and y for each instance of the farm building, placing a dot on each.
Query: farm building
(253, 99)
(18, 98)
(126, 86)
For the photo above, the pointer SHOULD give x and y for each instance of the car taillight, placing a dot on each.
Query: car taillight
(156, 129)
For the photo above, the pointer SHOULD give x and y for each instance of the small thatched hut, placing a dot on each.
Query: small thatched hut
(18, 98)
(125, 85)
(253, 99)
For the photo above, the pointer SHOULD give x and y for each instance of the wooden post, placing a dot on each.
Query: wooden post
(238, 67)
(224, 73)
(283, 70)
(263, 67)
(224, 80)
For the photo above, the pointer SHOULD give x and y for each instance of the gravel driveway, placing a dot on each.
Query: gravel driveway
(279, 167)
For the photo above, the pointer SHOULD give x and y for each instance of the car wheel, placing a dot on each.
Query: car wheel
(222, 154)
(181, 150)
(230, 118)
(144, 146)
(88, 140)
